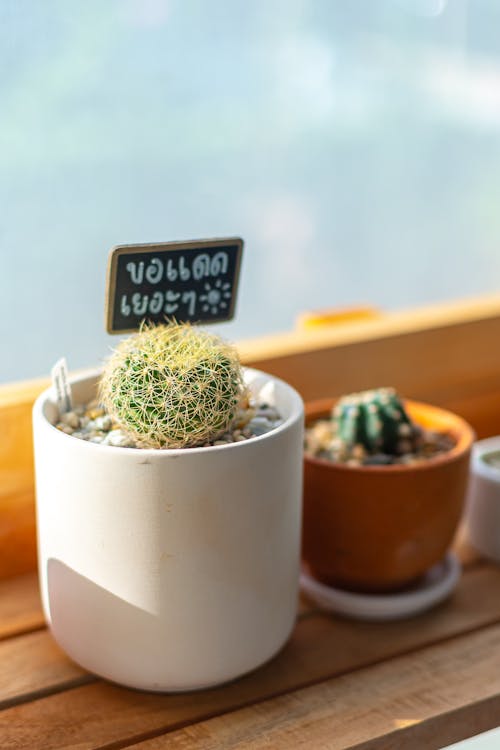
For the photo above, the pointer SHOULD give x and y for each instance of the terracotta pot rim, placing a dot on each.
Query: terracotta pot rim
(463, 433)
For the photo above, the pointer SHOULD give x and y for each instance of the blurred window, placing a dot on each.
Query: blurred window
(354, 145)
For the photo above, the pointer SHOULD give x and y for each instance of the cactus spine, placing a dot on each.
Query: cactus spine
(172, 386)
(376, 420)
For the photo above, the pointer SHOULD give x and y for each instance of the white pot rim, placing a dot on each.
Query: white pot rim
(479, 465)
(296, 414)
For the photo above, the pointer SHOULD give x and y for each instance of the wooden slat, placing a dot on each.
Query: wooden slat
(388, 325)
(321, 647)
(17, 531)
(426, 364)
(426, 700)
(17, 506)
(32, 666)
(480, 408)
(20, 607)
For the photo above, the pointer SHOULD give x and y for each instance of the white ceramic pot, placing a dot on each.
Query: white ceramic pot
(170, 569)
(483, 501)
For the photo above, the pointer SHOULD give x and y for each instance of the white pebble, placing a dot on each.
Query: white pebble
(259, 426)
(117, 438)
(103, 423)
(270, 413)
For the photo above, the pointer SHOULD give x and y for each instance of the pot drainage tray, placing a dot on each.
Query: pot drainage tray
(433, 588)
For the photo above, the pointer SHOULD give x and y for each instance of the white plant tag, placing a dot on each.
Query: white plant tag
(62, 388)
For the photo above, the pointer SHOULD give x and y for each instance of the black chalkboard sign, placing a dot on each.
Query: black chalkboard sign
(190, 281)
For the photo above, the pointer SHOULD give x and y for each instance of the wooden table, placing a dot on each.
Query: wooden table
(422, 683)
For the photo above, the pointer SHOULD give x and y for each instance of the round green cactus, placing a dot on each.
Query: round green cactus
(377, 420)
(172, 386)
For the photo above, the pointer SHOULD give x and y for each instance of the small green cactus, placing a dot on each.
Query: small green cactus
(376, 420)
(172, 386)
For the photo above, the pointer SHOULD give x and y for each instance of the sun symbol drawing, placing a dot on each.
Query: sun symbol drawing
(215, 297)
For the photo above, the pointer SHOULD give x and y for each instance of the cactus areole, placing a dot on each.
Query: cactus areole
(375, 419)
(172, 386)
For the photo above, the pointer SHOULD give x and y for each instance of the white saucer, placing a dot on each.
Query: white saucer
(433, 588)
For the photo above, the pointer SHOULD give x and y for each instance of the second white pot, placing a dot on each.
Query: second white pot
(483, 501)
(174, 569)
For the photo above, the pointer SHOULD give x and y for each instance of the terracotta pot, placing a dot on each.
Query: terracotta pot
(378, 528)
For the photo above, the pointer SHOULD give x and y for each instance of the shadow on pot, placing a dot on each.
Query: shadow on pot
(96, 627)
